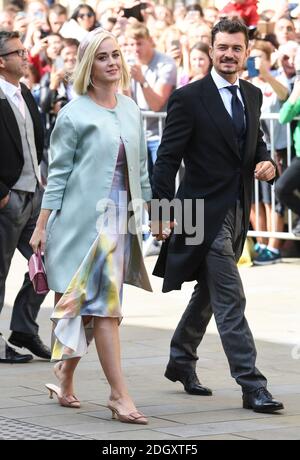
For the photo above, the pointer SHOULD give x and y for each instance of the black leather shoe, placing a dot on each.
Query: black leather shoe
(11, 356)
(31, 342)
(261, 401)
(189, 380)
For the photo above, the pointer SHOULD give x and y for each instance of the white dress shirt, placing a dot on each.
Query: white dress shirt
(226, 95)
(11, 92)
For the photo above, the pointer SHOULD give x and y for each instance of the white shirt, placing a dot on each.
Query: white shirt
(225, 94)
(10, 91)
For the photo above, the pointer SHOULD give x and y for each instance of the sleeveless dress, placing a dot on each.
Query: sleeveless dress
(96, 288)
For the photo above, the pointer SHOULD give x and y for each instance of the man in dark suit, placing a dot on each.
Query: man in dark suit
(21, 134)
(213, 125)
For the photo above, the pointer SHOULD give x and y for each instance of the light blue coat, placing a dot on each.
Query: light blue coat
(83, 153)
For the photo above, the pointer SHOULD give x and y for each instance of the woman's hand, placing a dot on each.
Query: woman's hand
(38, 239)
(162, 230)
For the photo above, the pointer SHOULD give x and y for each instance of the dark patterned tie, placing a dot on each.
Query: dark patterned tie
(238, 116)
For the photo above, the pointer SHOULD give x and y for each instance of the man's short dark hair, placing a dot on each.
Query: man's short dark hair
(70, 42)
(6, 37)
(230, 26)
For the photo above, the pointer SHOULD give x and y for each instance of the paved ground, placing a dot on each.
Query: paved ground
(274, 314)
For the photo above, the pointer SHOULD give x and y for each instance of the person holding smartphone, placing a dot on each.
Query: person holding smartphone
(213, 125)
(153, 78)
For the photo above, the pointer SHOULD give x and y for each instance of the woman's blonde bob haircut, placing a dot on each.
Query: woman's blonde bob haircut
(85, 59)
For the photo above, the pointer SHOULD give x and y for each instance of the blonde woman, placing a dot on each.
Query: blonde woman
(98, 164)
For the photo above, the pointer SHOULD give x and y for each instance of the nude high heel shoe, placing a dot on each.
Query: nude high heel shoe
(134, 417)
(65, 401)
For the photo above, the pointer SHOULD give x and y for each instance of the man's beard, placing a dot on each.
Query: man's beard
(229, 72)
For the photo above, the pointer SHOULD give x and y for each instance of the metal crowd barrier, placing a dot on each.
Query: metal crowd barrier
(272, 117)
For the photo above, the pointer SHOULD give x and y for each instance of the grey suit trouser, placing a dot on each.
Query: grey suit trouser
(220, 292)
(17, 222)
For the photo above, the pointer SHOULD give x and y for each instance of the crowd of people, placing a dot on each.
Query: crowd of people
(59, 107)
(164, 49)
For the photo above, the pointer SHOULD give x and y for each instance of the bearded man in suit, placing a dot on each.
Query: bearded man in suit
(214, 126)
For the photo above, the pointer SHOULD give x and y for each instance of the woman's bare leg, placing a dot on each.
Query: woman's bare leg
(106, 334)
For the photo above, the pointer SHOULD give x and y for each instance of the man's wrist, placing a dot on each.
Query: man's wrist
(145, 84)
(275, 166)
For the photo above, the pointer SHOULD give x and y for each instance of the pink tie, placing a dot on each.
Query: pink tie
(21, 103)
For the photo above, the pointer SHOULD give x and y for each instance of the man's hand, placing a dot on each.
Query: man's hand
(174, 52)
(265, 170)
(39, 46)
(161, 230)
(136, 73)
(56, 77)
(4, 201)
(262, 67)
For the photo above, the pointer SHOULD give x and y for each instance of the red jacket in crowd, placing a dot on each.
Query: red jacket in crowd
(246, 9)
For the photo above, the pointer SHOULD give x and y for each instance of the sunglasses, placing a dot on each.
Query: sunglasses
(21, 53)
(83, 15)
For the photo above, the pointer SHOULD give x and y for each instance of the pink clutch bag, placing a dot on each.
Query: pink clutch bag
(37, 273)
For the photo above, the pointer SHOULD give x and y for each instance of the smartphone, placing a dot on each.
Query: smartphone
(252, 70)
(175, 44)
(59, 63)
(44, 34)
(135, 11)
